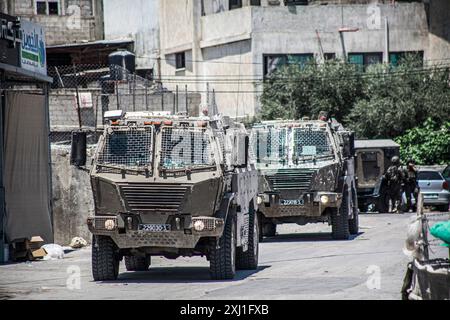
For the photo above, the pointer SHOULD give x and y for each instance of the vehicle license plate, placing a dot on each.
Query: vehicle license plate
(431, 196)
(154, 227)
(292, 202)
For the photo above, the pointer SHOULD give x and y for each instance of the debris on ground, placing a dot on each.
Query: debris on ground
(54, 252)
(78, 243)
(28, 249)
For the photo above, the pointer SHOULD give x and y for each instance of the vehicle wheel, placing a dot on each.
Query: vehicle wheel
(269, 229)
(223, 259)
(353, 224)
(249, 260)
(133, 263)
(105, 263)
(340, 222)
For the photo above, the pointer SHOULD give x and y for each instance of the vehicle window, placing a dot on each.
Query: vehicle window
(429, 175)
(370, 167)
(269, 145)
(311, 142)
(130, 148)
(446, 173)
(182, 148)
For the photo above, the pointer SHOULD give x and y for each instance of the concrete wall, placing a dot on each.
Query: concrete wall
(72, 197)
(79, 20)
(64, 115)
(141, 24)
(439, 19)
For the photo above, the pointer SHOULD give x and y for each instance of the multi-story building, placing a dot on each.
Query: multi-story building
(65, 21)
(141, 25)
(231, 45)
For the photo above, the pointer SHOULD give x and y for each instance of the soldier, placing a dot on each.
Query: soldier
(411, 186)
(395, 179)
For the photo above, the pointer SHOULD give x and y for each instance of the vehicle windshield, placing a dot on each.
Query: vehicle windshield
(269, 145)
(185, 148)
(429, 175)
(311, 142)
(129, 148)
(283, 146)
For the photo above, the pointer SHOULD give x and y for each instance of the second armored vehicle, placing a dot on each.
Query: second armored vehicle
(306, 175)
(173, 186)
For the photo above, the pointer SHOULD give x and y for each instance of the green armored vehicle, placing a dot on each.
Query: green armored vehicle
(172, 185)
(306, 175)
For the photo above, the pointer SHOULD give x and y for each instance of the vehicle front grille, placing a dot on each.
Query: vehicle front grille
(291, 180)
(153, 197)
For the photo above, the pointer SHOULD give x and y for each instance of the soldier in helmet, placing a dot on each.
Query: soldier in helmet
(395, 179)
(411, 185)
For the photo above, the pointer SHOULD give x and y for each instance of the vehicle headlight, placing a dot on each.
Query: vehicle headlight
(324, 199)
(260, 200)
(110, 224)
(199, 225)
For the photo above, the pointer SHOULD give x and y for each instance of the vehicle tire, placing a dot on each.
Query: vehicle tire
(222, 264)
(340, 221)
(133, 263)
(105, 262)
(269, 229)
(249, 260)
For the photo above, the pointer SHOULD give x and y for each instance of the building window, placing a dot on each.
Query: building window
(329, 56)
(295, 2)
(235, 4)
(363, 60)
(180, 60)
(272, 62)
(48, 7)
(255, 2)
(397, 58)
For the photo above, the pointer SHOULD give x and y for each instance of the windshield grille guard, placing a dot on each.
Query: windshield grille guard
(185, 148)
(127, 148)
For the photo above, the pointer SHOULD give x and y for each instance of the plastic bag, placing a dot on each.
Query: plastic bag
(54, 252)
(442, 231)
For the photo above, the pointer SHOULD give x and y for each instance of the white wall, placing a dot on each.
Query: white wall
(137, 20)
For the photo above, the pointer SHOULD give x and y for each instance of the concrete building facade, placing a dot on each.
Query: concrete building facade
(65, 21)
(142, 27)
(230, 45)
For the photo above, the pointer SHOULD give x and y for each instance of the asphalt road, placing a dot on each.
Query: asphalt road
(299, 263)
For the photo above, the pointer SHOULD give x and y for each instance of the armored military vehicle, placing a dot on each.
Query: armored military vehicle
(373, 158)
(173, 185)
(306, 175)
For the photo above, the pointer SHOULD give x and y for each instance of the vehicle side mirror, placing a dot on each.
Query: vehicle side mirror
(348, 148)
(78, 153)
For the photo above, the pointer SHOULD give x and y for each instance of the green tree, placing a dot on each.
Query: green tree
(428, 144)
(295, 91)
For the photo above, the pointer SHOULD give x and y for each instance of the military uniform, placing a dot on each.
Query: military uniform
(411, 186)
(395, 179)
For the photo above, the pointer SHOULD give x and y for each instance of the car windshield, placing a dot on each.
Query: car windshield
(429, 175)
(185, 147)
(129, 148)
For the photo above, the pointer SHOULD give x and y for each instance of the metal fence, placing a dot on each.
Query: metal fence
(81, 94)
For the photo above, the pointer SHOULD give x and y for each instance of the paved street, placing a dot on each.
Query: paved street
(300, 263)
